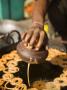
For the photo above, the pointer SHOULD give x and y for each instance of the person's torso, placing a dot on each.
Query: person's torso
(57, 14)
(60, 4)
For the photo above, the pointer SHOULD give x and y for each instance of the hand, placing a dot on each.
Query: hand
(34, 38)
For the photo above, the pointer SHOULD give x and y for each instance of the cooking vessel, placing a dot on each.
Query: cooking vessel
(10, 34)
(8, 26)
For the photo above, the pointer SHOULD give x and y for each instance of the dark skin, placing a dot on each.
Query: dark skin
(36, 34)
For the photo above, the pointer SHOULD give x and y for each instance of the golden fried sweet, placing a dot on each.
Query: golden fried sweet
(12, 63)
(21, 87)
(16, 81)
(1, 81)
(2, 67)
(7, 76)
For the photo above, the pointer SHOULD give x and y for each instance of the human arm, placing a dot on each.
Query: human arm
(36, 31)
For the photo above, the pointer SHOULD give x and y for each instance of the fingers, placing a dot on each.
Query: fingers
(23, 35)
(34, 38)
(40, 41)
(28, 36)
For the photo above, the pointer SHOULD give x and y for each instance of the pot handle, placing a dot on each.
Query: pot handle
(10, 39)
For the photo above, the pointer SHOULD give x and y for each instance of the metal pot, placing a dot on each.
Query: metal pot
(9, 32)
(7, 26)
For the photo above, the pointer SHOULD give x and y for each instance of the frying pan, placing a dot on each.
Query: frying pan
(9, 34)
(10, 31)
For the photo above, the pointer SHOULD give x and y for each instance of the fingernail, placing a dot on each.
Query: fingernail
(30, 59)
(29, 46)
(36, 49)
(25, 44)
(47, 47)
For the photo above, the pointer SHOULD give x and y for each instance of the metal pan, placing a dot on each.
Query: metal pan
(10, 31)
(9, 34)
